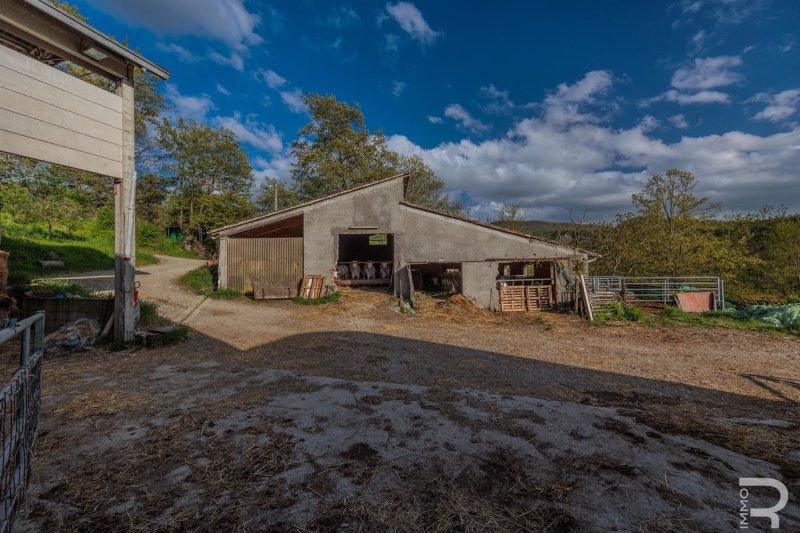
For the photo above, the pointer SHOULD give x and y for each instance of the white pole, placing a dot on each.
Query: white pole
(129, 221)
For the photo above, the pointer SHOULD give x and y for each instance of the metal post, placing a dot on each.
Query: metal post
(25, 346)
(38, 333)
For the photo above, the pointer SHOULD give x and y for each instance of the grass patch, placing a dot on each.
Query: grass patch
(179, 334)
(718, 319)
(327, 299)
(148, 315)
(55, 286)
(619, 312)
(202, 281)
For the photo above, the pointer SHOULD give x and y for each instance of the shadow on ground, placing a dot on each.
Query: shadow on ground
(354, 430)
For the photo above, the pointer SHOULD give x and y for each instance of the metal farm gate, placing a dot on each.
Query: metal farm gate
(273, 265)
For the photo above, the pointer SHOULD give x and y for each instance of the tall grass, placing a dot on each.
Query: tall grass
(203, 281)
(86, 249)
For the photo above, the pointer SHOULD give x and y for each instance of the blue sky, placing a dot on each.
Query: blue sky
(564, 107)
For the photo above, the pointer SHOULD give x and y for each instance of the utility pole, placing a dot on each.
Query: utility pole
(275, 195)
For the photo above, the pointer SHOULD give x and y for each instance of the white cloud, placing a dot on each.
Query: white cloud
(228, 21)
(294, 101)
(787, 43)
(398, 87)
(277, 166)
(234, 60)
(569, 103)
(649, 123)
(435, 120)
(272, 79)
(708, 73)
(189, 107)
(412, 22)
(780, 106)
(497, 101)
(553, 167)
(222, 90)
(679, 121)
(464, 118)
(701, 97)
(251, 131)
(182, 53)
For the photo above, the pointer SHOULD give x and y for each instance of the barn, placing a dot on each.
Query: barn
(370, 236)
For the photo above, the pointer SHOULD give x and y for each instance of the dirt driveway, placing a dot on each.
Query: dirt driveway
(356, 416)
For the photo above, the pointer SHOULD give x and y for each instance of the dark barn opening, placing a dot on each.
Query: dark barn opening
(365, 259)
(437, 278)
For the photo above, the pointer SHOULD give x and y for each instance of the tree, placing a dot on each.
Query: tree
(36, 195)
(205, 169)
(511, 215)
(151, 196)
(336, 151)
(265, 198)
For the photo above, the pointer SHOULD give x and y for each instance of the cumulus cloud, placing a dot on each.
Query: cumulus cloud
(222, 90)
(495, 100)
(435, 120)
(294, 101)
(249, 130)
(233, 60)
(228, 21)
(708, 73)
(779, 106)
(553, 167)
(693, 83)
(464, 118)
(189, 107)
(679, 121)
(272, 79)
(183, 54)
(412, 22)
(568, 103)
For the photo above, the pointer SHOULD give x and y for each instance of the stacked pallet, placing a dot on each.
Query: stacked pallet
(512, 298)
(516, 298)
(538, 297)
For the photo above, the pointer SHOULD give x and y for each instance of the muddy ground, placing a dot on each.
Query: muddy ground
(355, 416)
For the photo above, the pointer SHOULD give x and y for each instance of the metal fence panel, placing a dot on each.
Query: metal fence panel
(657, 289)
(265, 261)
(20, 404)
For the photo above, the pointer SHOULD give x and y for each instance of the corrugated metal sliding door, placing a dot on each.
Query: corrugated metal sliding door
(274, 263)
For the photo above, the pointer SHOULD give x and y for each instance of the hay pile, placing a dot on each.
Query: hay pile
(456, 308)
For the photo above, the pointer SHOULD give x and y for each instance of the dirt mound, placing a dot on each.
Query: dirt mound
(454, 308)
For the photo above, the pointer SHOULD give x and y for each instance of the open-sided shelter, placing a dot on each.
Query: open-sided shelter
(370, 235)
(49, 115)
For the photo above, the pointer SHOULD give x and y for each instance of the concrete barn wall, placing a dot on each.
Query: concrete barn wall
(51, 116)
(373, 207)
(429, 237)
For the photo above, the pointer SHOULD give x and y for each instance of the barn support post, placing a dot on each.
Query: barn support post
(125, 267)
(222, 265)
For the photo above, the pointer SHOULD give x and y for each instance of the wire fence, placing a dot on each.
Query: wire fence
(657, 290)
(20, 404)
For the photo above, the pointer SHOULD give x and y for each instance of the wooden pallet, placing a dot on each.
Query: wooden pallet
(312, 287)
(512, 299)
(538, 298)
(525, 298)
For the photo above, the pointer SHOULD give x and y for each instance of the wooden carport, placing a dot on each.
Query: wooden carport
(50, 116)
